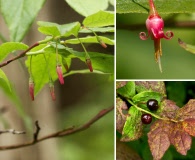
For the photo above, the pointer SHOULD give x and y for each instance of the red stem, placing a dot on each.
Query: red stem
(18, 56)
(153, 11)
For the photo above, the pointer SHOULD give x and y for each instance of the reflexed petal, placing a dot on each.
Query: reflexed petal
(168, 35)
(143, 36)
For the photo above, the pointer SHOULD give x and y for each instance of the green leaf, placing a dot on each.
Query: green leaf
(127, 91)
(133, 126)
(111, 2)
(4, 83)
(96, 29)
(88, 7)
(9, 47)
(165, 6)
(19, 15)
(90, 39)
(141, 98)
(54, 29)
(187, 47)
(156, 86)
(99, 19)
(41, 69)
(12, 95)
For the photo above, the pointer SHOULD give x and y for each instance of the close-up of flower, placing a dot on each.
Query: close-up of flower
(155, 25)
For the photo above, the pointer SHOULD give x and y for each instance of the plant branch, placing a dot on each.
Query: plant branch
(18, 56)
(62, 133)
(154, 115)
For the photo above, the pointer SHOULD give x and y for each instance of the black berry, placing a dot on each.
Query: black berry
(146, 118)
(152, 104)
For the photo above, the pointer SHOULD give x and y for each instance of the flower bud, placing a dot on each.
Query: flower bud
(52, 92)
(101, 42)
(31, 88)
(89, 64)
(60, 73)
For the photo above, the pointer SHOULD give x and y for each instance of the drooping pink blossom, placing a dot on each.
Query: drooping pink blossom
(52, 92)
(155, 26)
(60, 73)
(89, 64)
(31, 88)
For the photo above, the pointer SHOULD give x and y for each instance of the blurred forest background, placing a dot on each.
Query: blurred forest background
(77, 101)
(180, 92)
(135, 57)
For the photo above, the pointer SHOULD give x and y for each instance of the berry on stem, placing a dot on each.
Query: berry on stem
(152, 104)
(146, 118)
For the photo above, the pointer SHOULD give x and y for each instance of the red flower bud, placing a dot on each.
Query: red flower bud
(31, 89)
(60, 73)
(89, 64)
(155, 25)
(52, 92)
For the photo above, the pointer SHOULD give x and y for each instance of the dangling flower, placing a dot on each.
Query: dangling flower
(52, 92)
(101, 42)
(155, 25)
(89, 64)
(31, 88)
(60, 73)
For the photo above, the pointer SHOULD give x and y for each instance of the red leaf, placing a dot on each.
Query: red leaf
(158, 138)
(156, 86)
(169, 107)
(186, 112)
(180, 139)
(120, 116)
(189, 126)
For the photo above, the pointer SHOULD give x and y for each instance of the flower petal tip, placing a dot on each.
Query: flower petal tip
(89, 64)
(143, 36)
(31, 89)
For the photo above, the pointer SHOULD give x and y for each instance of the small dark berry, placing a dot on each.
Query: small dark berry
(146, 118)
(152, 104)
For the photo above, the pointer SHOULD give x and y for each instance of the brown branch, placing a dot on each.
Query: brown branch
(18, 56)
(62, 133)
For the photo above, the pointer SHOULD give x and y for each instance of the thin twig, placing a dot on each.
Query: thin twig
(13, 131)
(18, 56)
(36, 132)
(62, 133)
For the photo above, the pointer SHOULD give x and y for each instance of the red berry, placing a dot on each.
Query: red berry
(146, 118)
(152, 104)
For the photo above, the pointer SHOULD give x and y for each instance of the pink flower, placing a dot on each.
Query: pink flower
(101, 42)
(155, 25)
(31, 88)
(89, 64)
(52, 92)
(60, 73)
